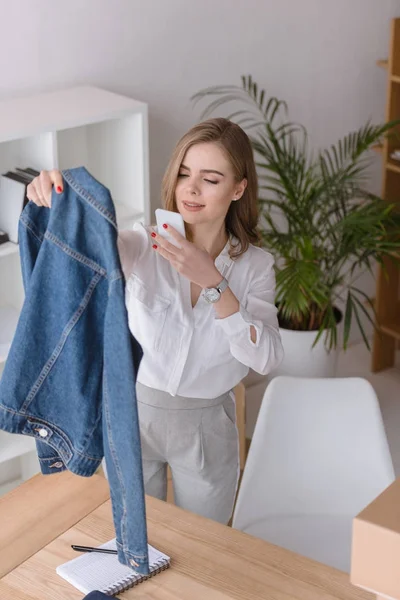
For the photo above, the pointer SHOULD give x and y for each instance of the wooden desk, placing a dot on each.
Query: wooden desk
(209, 561)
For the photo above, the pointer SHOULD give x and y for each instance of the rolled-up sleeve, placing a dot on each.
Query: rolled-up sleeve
(257, 309)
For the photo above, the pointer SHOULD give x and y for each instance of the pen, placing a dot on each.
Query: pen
(90, 549)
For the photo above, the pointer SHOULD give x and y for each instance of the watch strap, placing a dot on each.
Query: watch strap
(222, 286)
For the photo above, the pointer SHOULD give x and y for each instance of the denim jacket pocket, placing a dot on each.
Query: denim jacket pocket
(147, 313)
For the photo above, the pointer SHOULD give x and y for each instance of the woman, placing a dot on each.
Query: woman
(197, 344)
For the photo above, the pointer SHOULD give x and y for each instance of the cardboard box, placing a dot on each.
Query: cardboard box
(375, 556)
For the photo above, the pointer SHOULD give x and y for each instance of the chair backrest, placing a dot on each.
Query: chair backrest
(319, 447)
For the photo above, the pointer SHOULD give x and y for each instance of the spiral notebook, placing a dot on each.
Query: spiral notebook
(95, 571)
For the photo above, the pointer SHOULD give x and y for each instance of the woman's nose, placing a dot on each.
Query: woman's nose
(193, 188)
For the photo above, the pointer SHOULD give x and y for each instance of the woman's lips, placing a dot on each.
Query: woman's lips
(194, 208)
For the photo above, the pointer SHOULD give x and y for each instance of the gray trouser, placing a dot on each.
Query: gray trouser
(199, 440)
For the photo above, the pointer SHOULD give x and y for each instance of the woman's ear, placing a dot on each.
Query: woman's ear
(240, 189)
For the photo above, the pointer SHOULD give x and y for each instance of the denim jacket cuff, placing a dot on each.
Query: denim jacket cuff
(135, 562)
(49, 459)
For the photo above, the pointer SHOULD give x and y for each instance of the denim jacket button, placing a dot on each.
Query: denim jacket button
(133, 563)
(43, 433)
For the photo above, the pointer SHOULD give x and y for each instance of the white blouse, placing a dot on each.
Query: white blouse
(190, 351)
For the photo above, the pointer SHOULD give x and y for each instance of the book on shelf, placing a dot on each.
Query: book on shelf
(3, 237)
(13, 199)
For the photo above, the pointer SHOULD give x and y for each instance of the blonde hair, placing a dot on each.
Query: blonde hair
(242, 216)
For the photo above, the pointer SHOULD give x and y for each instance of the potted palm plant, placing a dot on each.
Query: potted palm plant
(319, 220)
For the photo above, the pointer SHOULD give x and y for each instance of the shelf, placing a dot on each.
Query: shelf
(8, 248)
(392, 329)
(81, 126)
(384, 63)
(387, 299)
(391, 166)
(8, 323)
(62, 109)
(13, 445)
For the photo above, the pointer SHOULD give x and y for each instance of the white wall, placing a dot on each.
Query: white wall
(318, 55)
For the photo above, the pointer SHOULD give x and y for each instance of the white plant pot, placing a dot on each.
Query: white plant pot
(302, 360)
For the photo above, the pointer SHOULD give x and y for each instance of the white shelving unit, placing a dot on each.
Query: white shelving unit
(81, 126)
(8, 248)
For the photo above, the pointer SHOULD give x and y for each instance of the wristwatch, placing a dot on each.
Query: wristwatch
(213, 294)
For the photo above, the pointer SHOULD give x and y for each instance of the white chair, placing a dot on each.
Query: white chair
(319, 455)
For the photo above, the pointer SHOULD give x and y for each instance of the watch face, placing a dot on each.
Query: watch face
(212, 295)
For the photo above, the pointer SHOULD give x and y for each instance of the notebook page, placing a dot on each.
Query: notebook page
(94, 571)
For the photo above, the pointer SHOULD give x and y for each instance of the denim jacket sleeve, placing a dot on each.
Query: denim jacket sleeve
(30, 240)
(122, 435)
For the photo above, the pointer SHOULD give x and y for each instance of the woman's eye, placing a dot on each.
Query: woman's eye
(207, 180)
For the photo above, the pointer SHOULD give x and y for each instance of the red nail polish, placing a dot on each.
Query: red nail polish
(153, 234)
(165, 226)
(155, 247)
(59, 188)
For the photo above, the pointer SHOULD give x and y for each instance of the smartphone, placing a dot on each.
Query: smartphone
(170, 218)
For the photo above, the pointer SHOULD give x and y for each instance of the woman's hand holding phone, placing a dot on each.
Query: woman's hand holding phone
(193, 263)
(173, 220)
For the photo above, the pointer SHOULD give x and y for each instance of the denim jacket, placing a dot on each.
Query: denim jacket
(69, 380)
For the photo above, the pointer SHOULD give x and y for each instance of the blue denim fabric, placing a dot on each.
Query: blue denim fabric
(70, 377)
